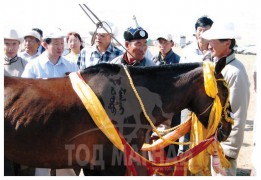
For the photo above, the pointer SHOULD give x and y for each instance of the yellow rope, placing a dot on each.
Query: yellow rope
(144, 110)
(101, 119)
(140, 101)
(196, 164)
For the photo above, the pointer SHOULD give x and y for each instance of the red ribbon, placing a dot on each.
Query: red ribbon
(183, 158)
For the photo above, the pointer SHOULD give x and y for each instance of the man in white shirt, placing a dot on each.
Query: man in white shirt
(196, 51)
(31, 44)
(51, 64)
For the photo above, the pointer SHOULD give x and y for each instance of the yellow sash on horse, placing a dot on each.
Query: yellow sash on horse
(95, 109)
(199, 133)
(101, 119)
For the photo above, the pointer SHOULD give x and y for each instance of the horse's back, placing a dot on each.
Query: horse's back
(41, 117)
(25, 97)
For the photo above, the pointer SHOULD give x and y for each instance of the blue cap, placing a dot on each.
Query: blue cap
(135, 33)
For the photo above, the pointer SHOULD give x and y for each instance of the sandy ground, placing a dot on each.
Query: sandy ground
(245, 154)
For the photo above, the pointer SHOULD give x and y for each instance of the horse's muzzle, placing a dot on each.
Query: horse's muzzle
(223, 131)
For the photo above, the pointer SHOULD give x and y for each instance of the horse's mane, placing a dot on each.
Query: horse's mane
(141, 70)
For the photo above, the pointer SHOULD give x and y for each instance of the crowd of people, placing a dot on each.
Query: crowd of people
(42, 57)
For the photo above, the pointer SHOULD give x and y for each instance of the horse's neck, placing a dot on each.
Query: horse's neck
(179, 92)
(188, 89)
(164, 91)
(194, 96)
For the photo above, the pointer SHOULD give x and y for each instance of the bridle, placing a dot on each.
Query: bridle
(225, 108)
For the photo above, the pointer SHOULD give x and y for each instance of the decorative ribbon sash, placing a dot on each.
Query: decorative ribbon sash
(95, 109)
(103, 122)
(198, 132)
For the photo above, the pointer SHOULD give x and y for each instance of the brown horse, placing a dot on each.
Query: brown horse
(46, 124)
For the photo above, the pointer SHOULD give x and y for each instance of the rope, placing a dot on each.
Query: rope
(140, 101)
(206, 109)
(146, 115)
(199, 133)
(101, 119)
(154, 129)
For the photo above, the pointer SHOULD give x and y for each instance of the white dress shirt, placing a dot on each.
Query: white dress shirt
(42, 67)
(24, 55)
(191, 53)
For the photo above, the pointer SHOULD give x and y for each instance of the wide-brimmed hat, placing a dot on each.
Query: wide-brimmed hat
(12, 34)
(54, 33)
(33, 34)
(221, 31)
(166, 36)
(135, 33)
(109, 26)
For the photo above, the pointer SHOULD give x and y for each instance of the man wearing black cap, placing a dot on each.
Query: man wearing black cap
(136, 44)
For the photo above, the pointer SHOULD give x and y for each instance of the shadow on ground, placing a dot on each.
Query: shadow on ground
(249, 125)
(243, 172)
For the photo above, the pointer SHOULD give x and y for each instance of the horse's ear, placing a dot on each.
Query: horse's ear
(220, 65)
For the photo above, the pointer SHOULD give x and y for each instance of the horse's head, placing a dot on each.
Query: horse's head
(225, 125)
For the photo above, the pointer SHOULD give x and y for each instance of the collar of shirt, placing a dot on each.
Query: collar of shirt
(167, 58)
(9, 61)
(134, 63)
(109, 49)
(46, 60)
(126, 60)
(193, 47)
(230, 58)
(196, 48)
(25, 55)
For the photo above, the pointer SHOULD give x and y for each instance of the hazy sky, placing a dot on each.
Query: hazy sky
(174, 16)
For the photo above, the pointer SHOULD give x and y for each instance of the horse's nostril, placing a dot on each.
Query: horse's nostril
(221, 136)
